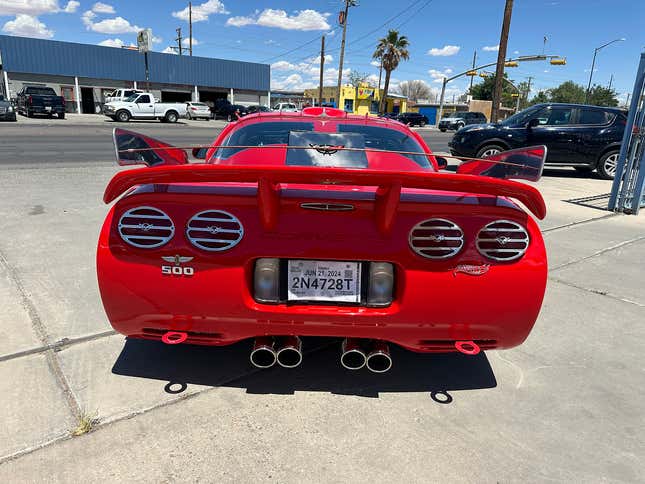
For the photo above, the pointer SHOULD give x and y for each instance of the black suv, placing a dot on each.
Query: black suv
(459, 120)
(229, 111)
(585, 137)
(412, 119)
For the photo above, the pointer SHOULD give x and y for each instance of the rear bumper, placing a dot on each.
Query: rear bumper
(431, 310)
(44, 110)
(8, 116)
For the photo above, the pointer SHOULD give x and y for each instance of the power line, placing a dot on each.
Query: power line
(316, 39)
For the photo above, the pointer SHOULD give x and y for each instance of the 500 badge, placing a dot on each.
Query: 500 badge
(177, 269)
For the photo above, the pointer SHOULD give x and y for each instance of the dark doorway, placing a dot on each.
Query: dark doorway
(87, 100)
(212, 97)
(175, 97)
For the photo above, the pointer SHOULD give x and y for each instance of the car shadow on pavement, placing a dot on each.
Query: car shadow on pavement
(229, 366)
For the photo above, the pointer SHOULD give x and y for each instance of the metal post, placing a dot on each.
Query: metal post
(443, 93)
(342, 50)
(6, 85)
(501, 56)
(134, 84)
(196, 95)
(78, 95)
(593, 64)
(232, 97)
(639, 86)
(190, 26)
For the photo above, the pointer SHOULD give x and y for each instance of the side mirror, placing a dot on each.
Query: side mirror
(200, 153)
(520, 164)
(442, 162)
(137, 149)
(533, 123)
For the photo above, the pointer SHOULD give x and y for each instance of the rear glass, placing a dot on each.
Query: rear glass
(260, 134)
(595, 116)
(41, 91)
(388, 139)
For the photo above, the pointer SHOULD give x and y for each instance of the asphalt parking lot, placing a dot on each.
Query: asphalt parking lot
(567, 406)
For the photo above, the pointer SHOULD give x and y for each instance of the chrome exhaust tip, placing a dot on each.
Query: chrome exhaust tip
(290, 353)
(352, 356)
(263, 355)
(379, 359)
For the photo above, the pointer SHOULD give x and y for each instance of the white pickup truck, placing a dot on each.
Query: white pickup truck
(121, 94)
(144, 106)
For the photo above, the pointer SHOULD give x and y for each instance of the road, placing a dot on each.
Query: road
(56, 143)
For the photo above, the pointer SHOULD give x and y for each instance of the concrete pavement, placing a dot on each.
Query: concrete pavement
(565, 406)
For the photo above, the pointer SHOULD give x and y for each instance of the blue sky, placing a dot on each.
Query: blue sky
(443, 34)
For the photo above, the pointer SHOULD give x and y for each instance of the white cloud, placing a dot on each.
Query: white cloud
(35, 7)
(439, 75)
(156, 40)
(27, 26)
(169, 50)
(115, 43)
(292, 82)
(302, 20)
(116, 25)
(375, 63)
(516, 52)
(71, 6)
(202, 11)
(316, 60)
(100, 7)
(186, 42)
(444, 51)
(491, 48)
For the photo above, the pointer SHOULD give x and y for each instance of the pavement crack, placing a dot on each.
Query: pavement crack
(41, 333)
(596, 291)
(579, 222)
(595, 254)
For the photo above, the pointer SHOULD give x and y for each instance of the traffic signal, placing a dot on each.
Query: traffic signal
(471, 73)
(515, 94)
(511, 64)
(558, 62)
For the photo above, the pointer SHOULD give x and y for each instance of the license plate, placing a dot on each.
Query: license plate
(48, 108)
(317, 280)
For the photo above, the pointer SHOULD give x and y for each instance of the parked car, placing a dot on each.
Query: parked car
(459, 120)
(40, 100)
(585, 137)
(144, 106)
(388, 115)
(7, 111)
(412, 119)
(257, 109)
(195, 110)
(215, 253)
(230, 112)
(286, 107)
(121, 94)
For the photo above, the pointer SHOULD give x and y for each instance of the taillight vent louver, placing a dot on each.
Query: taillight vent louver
(436, 238)
(146, 227)
(214, 230)
(502, 240)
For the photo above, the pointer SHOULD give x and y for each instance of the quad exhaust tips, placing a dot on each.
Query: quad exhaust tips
(353, 357)
(286, 353)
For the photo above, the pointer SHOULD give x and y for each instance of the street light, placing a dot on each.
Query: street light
(593, 64)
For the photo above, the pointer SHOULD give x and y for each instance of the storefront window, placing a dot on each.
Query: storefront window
(349, 105)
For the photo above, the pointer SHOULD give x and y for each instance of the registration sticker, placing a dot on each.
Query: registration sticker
(313, 280)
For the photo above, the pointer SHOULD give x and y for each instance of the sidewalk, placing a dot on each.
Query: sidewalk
(565, 406)
(72, 119)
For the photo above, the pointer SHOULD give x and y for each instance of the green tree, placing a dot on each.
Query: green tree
(540, 97)
(484, 91)
(391, 49)
(567, 92)
(603, 96)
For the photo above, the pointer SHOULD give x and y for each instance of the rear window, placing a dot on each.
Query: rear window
(387, 139)
(260, 134)
(595, 116)
(40, 91)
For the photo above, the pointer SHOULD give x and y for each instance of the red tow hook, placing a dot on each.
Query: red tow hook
(467, 347)
(174, 337)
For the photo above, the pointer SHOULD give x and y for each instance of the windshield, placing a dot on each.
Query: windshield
(521, 118)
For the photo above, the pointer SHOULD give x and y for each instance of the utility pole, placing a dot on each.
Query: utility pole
(179, 39)
(501, 56)
(470, 90)
(611, 79)
(190, 27)
(343, 19)
(322, 69)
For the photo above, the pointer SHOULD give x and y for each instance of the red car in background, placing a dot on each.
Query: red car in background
(321, 223)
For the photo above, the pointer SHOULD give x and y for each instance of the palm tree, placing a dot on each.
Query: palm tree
(390, 50)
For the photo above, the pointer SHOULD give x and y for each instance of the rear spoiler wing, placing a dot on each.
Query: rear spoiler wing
(269, 178)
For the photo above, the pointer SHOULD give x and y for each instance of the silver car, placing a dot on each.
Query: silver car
(196, 110)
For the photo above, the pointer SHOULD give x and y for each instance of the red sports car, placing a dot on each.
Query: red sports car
(321, 223)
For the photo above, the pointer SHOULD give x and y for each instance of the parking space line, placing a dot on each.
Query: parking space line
(595, 254)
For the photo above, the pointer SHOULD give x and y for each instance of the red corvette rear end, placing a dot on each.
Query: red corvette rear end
(254, 245)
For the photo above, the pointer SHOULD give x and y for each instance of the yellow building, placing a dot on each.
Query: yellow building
(359, 100)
